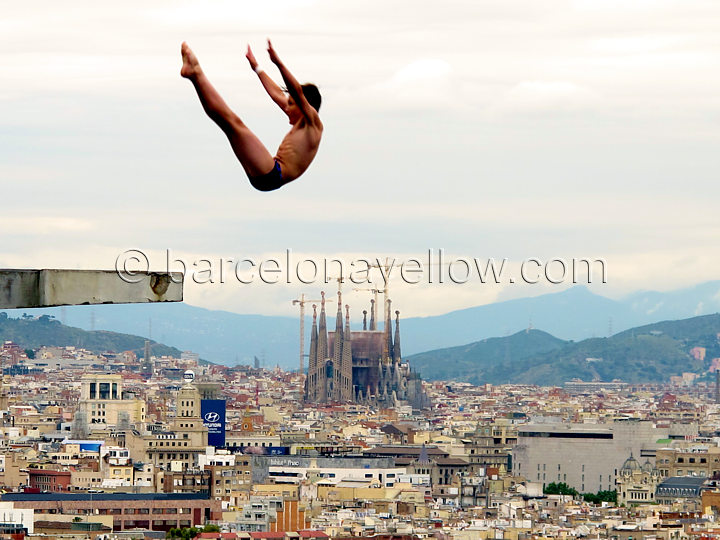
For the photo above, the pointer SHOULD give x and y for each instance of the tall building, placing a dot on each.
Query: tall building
(359, 366)
(178, 449)
(147, 367)
(587, 457)
(102, 402)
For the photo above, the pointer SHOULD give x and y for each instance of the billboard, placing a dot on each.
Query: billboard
(213, 417)
(265, 450)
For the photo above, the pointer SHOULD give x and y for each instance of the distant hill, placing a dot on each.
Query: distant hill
(31, 333)
(480, 362)
(218, 336)
(231, 338)
(653, 352)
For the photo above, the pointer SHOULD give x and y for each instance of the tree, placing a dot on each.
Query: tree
(30, 354)
(561, 488)
(188, 533)
(601, 496)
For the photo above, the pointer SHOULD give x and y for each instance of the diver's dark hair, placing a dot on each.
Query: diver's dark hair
(312, 94)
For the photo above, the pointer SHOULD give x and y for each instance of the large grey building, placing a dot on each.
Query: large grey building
(587, 457)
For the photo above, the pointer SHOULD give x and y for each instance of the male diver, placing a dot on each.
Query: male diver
(300, 103)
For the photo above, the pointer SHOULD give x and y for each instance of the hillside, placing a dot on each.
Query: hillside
(650, 353)
(479, 362)
(31, 333)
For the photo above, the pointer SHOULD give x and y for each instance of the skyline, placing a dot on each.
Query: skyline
(571, 129)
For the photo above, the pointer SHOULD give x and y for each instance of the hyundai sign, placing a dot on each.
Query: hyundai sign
(213, 417)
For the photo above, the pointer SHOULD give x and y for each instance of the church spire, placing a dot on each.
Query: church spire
(338, 338)
(346, 388)
(364, 319)
(320, 381)
(312, 356)
(310, 387)
(372, 315)
(322, 333)
(396, 347)
(337, 386)
(388, 347)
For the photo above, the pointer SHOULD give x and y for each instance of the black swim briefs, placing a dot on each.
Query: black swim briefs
(270, 181)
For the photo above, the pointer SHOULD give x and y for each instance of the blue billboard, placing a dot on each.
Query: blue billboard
(213, 417)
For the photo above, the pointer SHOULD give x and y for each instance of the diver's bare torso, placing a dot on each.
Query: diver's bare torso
(299, 147)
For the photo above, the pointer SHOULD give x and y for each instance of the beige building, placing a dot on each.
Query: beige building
(230, 477)
(635, 483)
(693, 460)
(103, 402)
(179, 448)
(13, 467)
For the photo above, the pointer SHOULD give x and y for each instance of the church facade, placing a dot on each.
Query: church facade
(363, 366)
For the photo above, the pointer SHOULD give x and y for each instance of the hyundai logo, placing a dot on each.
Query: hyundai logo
(212, 417)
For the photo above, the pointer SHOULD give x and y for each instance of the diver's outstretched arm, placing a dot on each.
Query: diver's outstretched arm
(294, 87)
(274, 91)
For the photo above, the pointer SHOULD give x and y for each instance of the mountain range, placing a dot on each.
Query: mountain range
(231, 338)
(650, 353)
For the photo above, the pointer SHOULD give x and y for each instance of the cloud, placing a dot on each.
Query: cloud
(547, 95)
(29, 225)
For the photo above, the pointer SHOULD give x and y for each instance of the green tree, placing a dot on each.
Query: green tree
(601, 496)
(189, 534)
(30, 354)
(561, 488)
(186, 533)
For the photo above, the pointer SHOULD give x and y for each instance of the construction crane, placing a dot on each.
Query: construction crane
(375, 304)
(386, 278)
(340, 280)
(301, 302)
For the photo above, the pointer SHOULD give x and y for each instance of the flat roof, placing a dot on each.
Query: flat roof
(102, 496)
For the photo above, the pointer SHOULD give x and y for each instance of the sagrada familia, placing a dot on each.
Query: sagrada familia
(360, 366)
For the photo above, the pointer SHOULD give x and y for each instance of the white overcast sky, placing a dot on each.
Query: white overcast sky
(506, 129)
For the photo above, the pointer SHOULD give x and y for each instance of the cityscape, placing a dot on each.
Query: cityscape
(320, 270)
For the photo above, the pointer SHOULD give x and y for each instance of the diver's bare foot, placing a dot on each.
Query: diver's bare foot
(191, 67)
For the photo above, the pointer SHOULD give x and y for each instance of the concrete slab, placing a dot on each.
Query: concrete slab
(47, 288)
